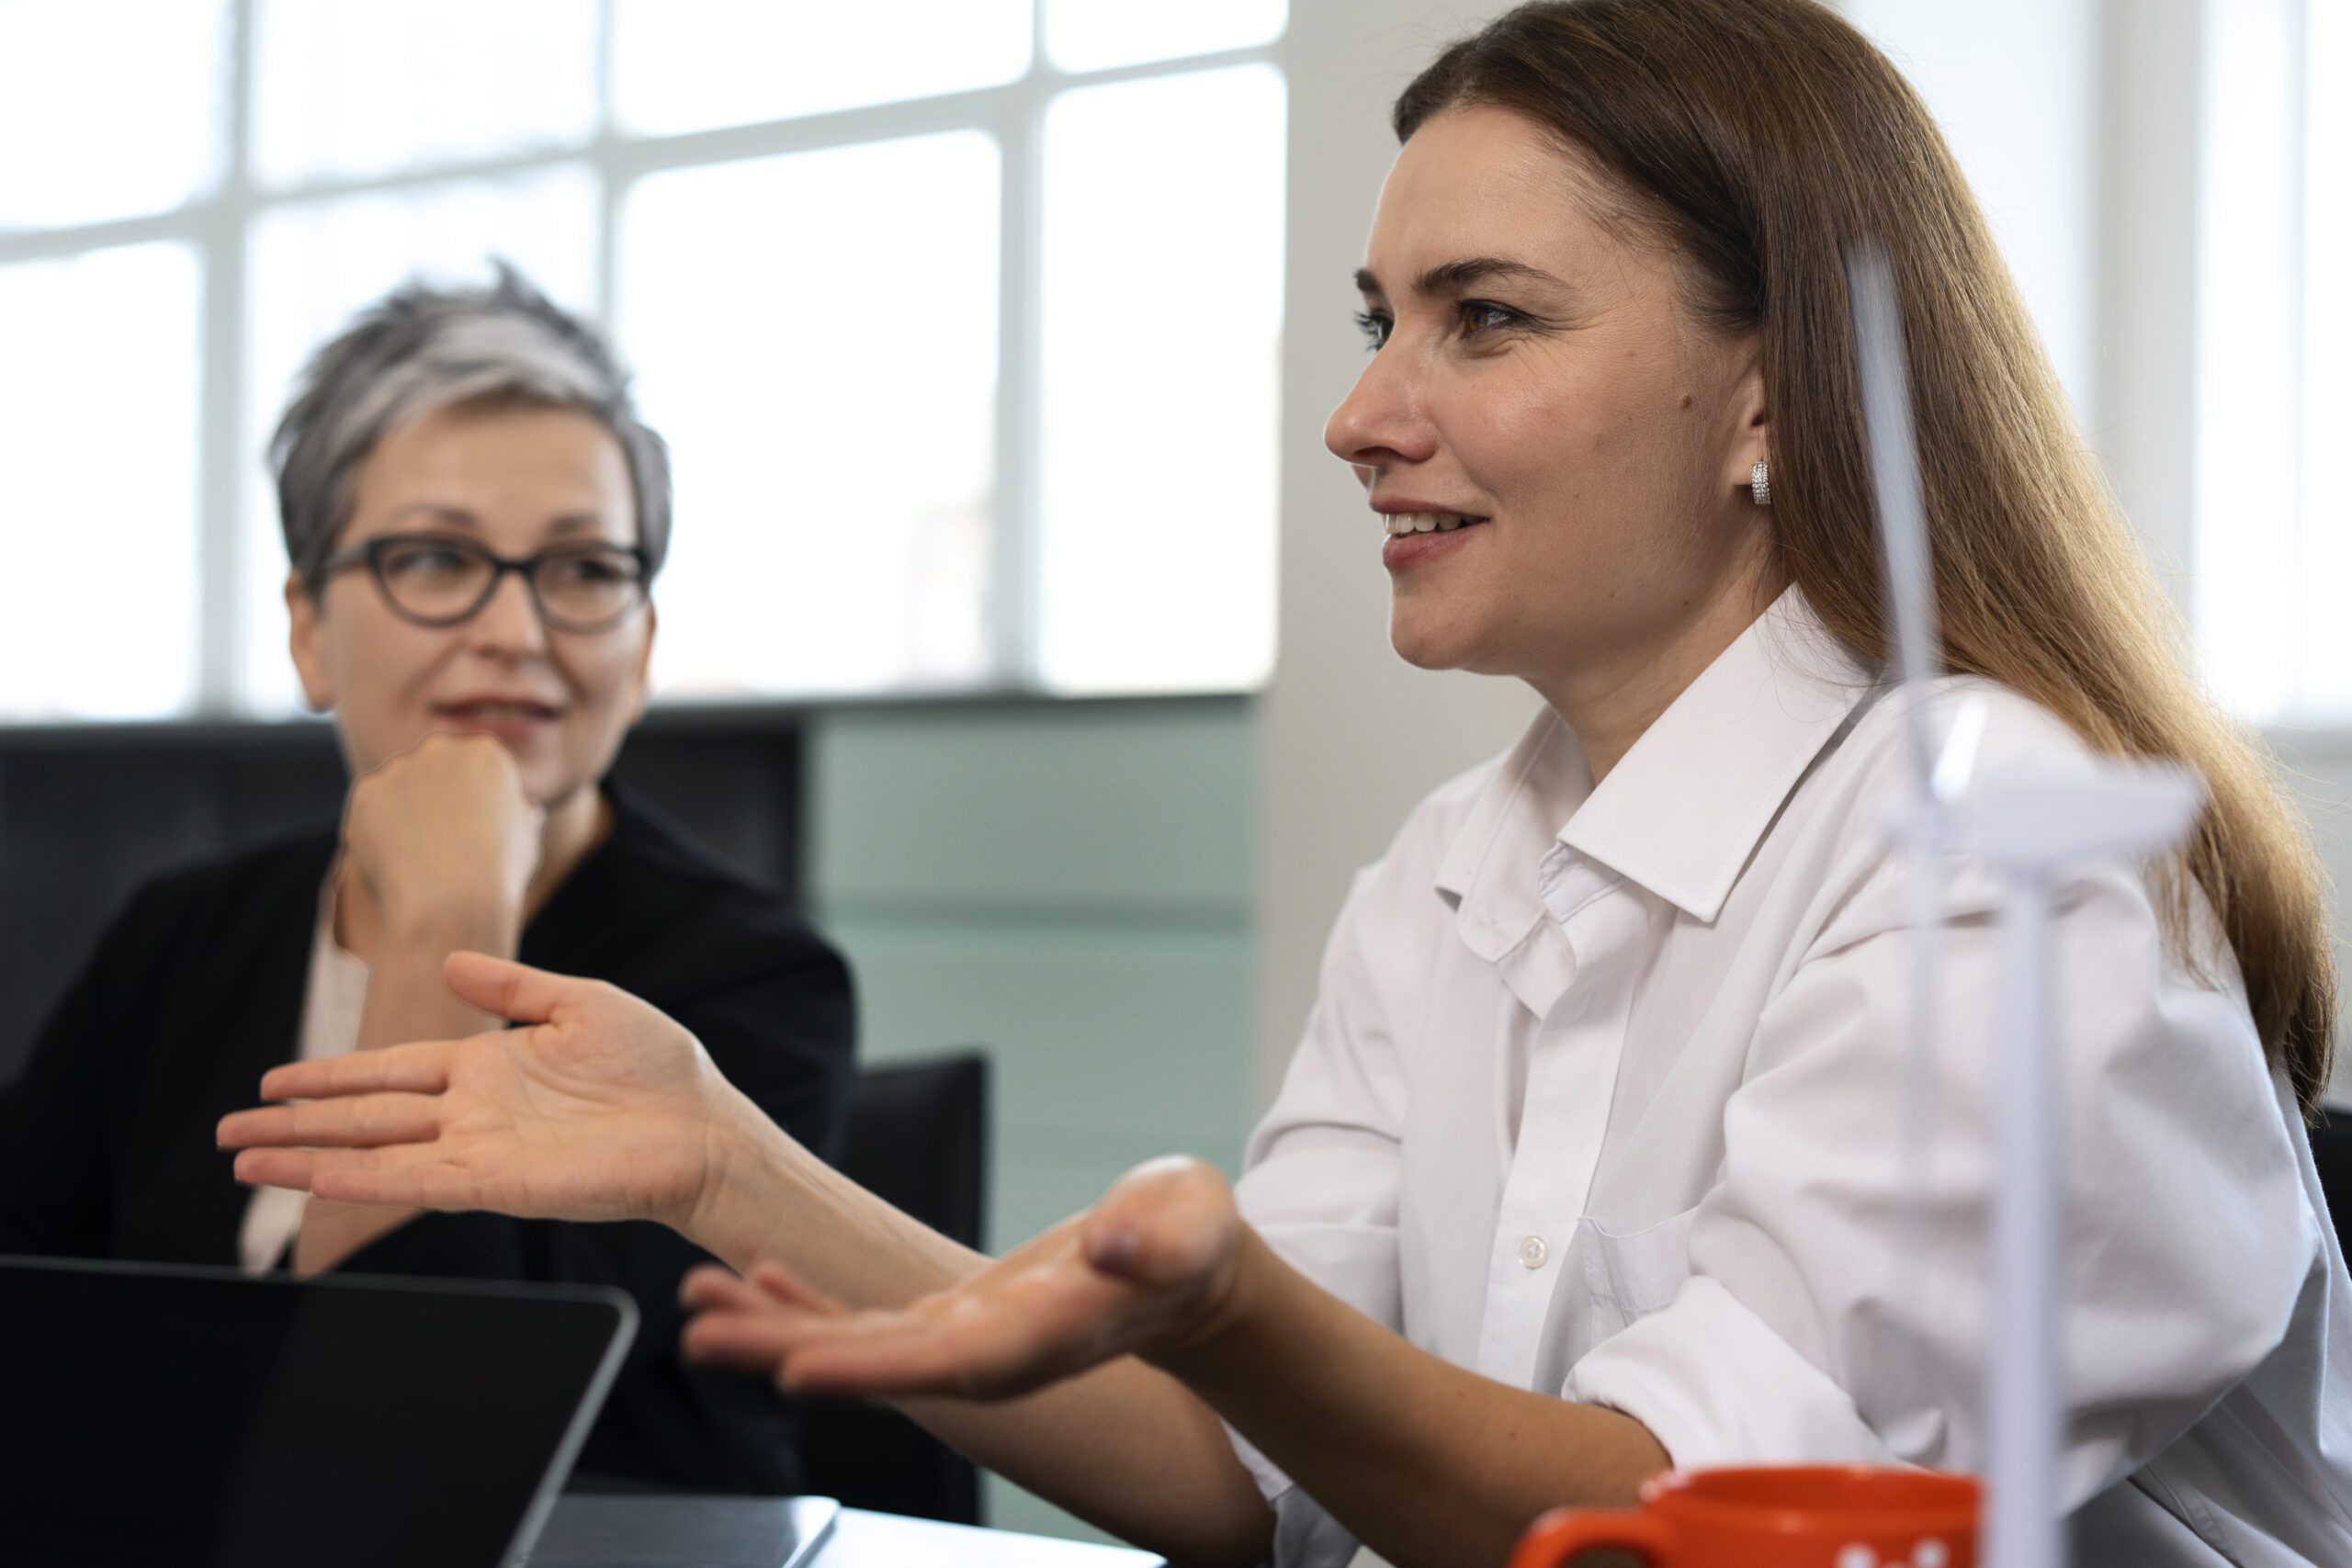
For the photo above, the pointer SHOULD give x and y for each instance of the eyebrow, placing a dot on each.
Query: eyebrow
(569, 523)
(1452, 278)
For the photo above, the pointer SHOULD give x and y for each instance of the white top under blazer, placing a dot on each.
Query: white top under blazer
(1600, 1097)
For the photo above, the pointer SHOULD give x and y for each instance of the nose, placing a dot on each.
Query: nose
(509, 625)
(1380, 422)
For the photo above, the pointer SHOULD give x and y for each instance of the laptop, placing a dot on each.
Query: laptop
(195, 1416)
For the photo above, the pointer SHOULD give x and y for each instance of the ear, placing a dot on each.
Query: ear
(1752, 408)
(307, 640)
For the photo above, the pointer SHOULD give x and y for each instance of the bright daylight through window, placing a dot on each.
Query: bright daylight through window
(922, 292)
(2274, 515)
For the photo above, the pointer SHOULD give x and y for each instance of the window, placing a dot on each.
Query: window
(962, 318)
(2274, 515)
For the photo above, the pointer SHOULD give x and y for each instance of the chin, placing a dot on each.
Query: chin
(1426, 646)
(551, 783)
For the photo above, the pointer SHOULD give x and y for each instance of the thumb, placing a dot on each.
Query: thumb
(1167, 1221)
(513, 991)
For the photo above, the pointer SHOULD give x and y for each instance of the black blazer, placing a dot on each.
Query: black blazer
(196, 991)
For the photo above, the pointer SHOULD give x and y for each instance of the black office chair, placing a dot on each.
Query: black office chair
(918, 1138)
(2332, 1152)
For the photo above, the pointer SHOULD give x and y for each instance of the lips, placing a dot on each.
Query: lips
(507, 719)
(1400, 524)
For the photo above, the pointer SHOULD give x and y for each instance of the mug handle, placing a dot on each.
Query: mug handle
(1562, 1533)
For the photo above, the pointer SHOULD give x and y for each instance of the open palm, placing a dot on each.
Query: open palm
(600, 1108)
(1145, 1271)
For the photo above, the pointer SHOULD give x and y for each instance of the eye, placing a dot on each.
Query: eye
(425, 561)
(1376, 326)
(591, 568)
(1485, 316)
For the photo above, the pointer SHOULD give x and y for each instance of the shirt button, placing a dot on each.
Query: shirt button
(1533, 1253)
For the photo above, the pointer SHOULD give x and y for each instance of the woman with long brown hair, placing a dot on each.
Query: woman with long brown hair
(1587, 1163)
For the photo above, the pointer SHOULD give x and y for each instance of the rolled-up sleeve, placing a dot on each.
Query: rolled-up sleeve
(1835, 1312)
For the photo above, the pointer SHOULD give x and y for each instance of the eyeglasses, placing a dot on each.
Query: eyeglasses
(432, 580)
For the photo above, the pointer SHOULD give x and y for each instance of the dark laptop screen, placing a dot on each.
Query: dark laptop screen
(191, 1416)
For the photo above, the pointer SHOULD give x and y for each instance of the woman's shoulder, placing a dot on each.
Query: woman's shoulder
(229, 899)
(1976, 728)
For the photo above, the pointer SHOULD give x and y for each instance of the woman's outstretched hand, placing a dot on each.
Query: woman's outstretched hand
(601, 1108)
(1152, 1269)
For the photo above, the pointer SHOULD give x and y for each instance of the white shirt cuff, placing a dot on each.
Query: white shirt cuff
(1304, 1535)
(1716, 1386)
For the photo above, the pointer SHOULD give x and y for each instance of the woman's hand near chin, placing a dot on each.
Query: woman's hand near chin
(601, 1108)
(1152, 1269)
(439, 846)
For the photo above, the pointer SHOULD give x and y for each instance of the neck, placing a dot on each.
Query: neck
(1612, 699)
(574, 829)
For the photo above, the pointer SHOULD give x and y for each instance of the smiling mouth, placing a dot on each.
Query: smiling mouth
(1403, 523)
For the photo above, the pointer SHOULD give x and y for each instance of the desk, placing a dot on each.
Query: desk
(673, 1532)
(861, 1539)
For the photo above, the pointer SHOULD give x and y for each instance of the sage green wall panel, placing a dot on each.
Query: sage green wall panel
(1079, 805)
(1135, 1032)
(1071, 885)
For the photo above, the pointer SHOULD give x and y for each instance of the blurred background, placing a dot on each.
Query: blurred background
(993, 339)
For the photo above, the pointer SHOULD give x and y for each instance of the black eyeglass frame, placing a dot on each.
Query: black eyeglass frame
(370, 554)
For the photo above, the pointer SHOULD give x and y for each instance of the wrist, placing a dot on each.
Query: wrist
(438, 926)
(1217, 1332)
(726, 1214)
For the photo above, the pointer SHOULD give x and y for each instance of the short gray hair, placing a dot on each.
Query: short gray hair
(422, 348)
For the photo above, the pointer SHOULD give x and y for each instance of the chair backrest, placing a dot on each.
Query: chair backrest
(918, 1139)
(2332, 1152)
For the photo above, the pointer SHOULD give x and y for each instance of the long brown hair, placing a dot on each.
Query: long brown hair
(1761, 138)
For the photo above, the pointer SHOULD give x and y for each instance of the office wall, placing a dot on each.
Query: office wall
(1070, 885)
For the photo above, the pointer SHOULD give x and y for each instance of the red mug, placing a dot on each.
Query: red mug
(1813, 1515)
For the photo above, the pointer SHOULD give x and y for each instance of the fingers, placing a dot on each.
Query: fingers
(277, 1168)
(768, 1284)
(508, 989)
(420, 1068)
(364, 1122)
(971, 1355)
(781, 1285)
(971, 1341)
(746, 1338)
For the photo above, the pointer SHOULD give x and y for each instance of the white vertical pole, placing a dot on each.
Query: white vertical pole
(2022, 1363)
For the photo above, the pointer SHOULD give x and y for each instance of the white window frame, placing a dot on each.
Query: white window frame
(218, 225)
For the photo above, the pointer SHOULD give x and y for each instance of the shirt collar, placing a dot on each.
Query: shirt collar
(1684, 809)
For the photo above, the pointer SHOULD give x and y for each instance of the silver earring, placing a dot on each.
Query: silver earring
(1759, 482)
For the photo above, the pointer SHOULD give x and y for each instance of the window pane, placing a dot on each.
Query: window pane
(97, 437)
(122, 101)
(2245, 356)
(314, 263)
(2326, 573)
(1163, 288)
(360, 87)
(691, 64)
(816, 337)
(1092, 34)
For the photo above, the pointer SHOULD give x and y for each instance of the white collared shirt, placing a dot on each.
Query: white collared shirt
(1600, 1096)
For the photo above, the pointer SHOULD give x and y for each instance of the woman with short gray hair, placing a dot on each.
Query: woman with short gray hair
(447, 440)
(420, 349)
